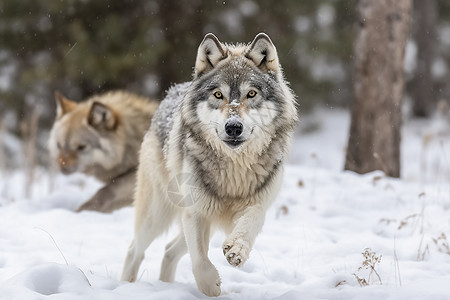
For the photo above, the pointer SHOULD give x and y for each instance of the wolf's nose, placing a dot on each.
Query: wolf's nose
(234, 128)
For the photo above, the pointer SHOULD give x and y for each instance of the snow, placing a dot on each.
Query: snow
(310, 247)
(302, 24)
(325, 15)
(410, 63)
(324, 68)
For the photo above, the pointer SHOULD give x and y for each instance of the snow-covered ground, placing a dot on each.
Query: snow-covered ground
(310, 248)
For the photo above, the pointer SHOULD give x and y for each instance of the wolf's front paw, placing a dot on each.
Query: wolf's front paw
(236, 251)
(208, 279)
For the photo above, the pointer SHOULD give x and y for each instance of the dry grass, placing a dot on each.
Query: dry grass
(442, 244)
(398, 278)
(370, 263)
(282, 211)
(62, 254)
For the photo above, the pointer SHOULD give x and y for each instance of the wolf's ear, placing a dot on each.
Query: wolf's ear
(101, 117)
(209, 54)
(263, 53)
(63, 105)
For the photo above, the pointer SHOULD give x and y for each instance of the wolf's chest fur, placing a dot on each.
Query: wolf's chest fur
(228, 178)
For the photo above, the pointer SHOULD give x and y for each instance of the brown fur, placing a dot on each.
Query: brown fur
(101, 137)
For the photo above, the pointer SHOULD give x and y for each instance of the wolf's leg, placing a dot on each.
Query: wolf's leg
(153, 217)
(239, 243)
(112, 196)
(174, 251)
(143, 237)
(197, 230)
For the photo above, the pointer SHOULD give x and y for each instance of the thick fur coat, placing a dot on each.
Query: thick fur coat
(213, 158)
(101, 137)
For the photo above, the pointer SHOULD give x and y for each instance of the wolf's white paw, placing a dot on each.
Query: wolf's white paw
(208, 279)
(236, 251)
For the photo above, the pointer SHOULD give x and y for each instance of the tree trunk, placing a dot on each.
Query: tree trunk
(374, 141)
(423, 91)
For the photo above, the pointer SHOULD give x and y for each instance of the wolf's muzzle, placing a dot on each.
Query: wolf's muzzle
(67, 170)
(234, 128)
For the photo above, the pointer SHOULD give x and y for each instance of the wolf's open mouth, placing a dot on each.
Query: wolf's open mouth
(233, 143)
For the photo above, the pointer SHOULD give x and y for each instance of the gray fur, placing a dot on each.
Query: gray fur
(163, 118)
(233, 178)
(208, 161)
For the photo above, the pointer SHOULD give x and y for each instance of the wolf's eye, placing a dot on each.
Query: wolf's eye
(251, 94)
(81, 147)
(218, 95)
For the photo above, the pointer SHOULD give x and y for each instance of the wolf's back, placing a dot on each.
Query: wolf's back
(163, 118)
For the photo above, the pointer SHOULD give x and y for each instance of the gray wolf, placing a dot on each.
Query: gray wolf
(226, 133)
(101, 137)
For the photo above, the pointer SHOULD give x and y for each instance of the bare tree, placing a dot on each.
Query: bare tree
(423, 92)
(374, 141)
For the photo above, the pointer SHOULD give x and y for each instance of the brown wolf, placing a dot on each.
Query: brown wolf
(101, 137)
